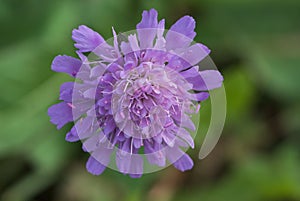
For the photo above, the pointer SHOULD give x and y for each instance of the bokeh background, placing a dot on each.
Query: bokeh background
(255, 44)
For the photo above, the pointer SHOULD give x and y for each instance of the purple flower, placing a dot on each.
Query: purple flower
(133, 98)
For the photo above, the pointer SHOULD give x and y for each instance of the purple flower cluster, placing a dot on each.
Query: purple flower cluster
(134, 98)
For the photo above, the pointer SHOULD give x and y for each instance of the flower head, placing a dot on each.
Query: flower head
(133, 98)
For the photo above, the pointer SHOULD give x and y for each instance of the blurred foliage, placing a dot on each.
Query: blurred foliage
(254, 43)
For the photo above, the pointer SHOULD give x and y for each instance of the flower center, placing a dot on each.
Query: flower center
(147, 100)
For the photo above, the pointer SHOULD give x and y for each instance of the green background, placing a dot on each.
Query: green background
(254, 43)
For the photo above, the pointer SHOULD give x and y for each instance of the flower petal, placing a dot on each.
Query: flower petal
(200, 96)
(181, 34)
(91, 143)
(127, 159)
(110, 125)
(147, 28)
(60, 114)
(66, 64)
(160, 42)
(179, 159)
(133, 42)
(184, 163)
(82, 129)
(94, 167)
(90, 93)
(116, 43)
(212, 78)
(206, 80)
(72, 135)
(97, 71)
(186, 136)
(191, 72)
(102, 154)
(129, 163)
(66, 90)
(195, 53)
(86, 39)
(154, 154)
(135, 176)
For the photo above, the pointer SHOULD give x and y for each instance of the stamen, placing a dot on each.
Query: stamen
(131, 146)
(71, 105)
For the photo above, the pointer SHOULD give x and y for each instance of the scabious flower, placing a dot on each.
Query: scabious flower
(133, 98)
